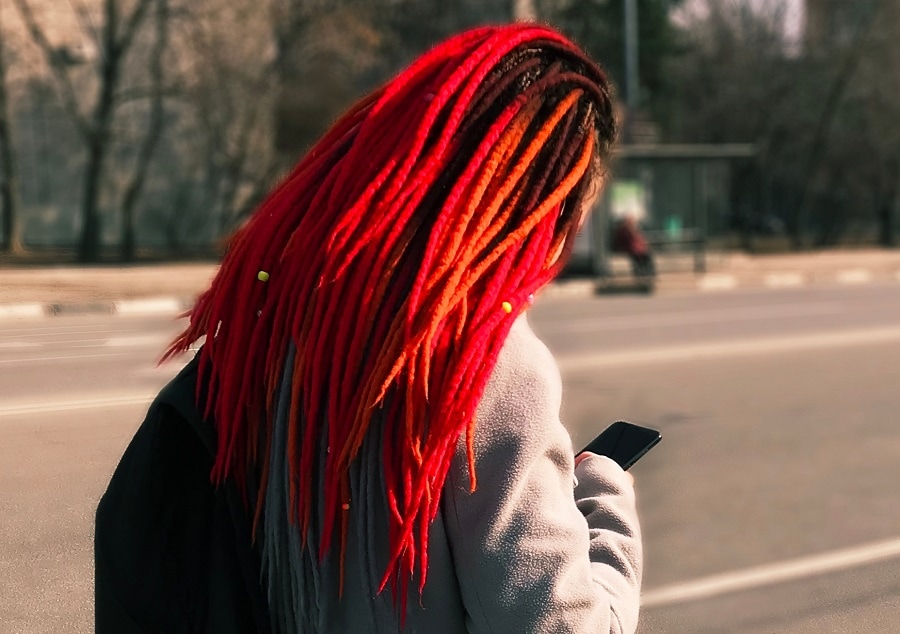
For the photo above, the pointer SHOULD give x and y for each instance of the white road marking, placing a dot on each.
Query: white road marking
(854, 276)
(21, 310)
(783, 280)
(171, 367)
(682, 318)
(149, 306)
(64, 357)
(744, 347)
(67, 405)
(717, 282)
(138, 341)
(159, 340)
(769, 574)
(56, 332)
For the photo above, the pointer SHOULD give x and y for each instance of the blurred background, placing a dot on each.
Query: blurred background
(150, 128)
(759, 158)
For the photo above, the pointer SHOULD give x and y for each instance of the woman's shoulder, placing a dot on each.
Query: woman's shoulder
(518, 418)
(525, 361)
(524, 391)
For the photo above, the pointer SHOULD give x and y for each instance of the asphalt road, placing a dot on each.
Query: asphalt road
(772, 504)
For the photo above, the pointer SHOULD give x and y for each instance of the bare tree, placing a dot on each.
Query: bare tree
(248, 106)
(824, 122)
(152, 134)
(223, 136)
(822, 109)
(9, 183)
(326, 54)
(114, 41)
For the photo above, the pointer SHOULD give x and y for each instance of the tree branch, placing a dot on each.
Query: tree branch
(153, 133)
(84, 19)
(57, 67)
(139, 93)
(816, 153)
(9, 186)
(262, 184)
(132, 25)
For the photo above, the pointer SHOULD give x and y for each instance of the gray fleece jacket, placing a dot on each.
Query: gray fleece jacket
(540, 546)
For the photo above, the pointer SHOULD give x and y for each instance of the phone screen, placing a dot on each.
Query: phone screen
(624, 442)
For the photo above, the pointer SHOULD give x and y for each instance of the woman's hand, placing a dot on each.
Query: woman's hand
(584, 454)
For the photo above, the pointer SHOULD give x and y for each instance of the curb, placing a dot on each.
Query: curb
(153, 306)
(133, 307)
(724, 282)
(795, 279)
(562, 289)
(88, 308)
(21, 310)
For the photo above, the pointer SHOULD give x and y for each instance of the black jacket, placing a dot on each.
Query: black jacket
(173, 553)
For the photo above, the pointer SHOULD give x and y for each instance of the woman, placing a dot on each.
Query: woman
(380, 425)
(629, 239)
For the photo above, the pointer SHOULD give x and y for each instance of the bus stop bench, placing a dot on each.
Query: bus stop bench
(693, 240)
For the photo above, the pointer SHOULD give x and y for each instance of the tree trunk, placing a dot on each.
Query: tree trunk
(89, 243)
(151, 138)
(114, 43)
(9, 183)
(127, 246)
(98, 137)
(822, 132)
(887, 223)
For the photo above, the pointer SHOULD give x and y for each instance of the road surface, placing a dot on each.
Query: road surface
(772, 504)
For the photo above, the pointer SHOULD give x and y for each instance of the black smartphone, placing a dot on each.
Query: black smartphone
(624, 442)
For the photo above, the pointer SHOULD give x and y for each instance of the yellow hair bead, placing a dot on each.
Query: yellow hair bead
(507, 307)
(262, 276)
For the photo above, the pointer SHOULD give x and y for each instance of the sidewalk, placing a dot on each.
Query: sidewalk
(802, 269)
(171, 288)
(152, 288)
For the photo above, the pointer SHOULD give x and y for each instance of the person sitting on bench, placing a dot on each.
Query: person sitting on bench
(629, 239)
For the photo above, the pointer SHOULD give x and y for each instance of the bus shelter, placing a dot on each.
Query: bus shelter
(680, 195)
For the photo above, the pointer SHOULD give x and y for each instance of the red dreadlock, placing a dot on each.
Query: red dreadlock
(388, 252)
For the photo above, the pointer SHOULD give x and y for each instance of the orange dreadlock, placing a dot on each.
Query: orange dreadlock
(388, 252)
